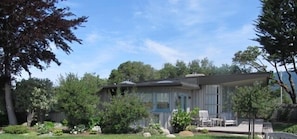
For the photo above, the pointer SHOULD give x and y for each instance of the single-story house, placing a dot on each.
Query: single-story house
(212, 93)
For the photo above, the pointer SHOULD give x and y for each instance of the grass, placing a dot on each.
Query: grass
(280, 126)
(120, 136)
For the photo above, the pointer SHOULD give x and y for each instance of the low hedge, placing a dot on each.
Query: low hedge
(16, 129)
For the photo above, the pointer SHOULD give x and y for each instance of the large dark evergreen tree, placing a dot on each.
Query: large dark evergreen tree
(276, 31)
(27, 27)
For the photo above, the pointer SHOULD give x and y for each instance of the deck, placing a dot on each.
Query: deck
(243, 128)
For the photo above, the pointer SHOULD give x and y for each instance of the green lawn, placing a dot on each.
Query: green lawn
(280, 126)
(120, 136)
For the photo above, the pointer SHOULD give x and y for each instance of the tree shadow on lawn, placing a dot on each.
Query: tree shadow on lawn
(280, 126)
(221, 136)
(229, 137)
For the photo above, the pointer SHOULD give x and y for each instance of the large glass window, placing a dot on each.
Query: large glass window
(212, 100)
(227, 98)
(155, 100)
(162, 101)
(147, 99)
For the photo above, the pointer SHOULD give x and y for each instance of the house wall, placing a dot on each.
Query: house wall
(174, 95)
(209, 97)
(160, 116)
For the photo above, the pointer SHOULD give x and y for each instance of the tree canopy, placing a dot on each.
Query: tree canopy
(204, 66)
(78, 98)
(276, 30)
(28, 27)
(168, 71)
(250, 60)
(132, 71)
(253, 101)
(139, 72)
(27, 30)
(35, 97)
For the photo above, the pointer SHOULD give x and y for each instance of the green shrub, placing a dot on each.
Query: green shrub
(64, 122)
(291, 129)
(44, 128)
(181, 119)
(156, 126)
(191, 128)
(204, 131)
(121, 112)
(283, 114)
(151, 130)
(137, 129)
(94, 121)
(78, 129)
(154, 129)
(93, 132)
(15, 129)
(77, 97)
(49, 125)
(57, 132)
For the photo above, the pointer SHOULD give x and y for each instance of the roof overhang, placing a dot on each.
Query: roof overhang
(235, 78)
(195, 82)
(159, 83)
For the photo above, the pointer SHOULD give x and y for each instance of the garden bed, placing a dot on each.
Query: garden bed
(122, 136)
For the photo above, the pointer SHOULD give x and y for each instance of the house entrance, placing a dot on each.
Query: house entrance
(182, 101)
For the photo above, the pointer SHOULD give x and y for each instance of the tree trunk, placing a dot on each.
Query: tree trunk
(292, 85)
(9, 106)
(40, 116)
(293, 97)
(30, 117)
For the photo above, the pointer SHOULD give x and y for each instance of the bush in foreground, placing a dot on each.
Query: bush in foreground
(121, 112)
(44, 128)
(154, 129)
(16, 129)
(291, 129)
(181, 119)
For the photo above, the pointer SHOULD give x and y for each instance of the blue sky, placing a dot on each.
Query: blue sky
(155, 32)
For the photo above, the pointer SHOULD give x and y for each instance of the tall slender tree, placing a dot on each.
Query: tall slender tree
(27, 27)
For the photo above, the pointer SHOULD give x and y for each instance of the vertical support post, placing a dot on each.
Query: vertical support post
(253, 125)
(217, 115)
(281, 89)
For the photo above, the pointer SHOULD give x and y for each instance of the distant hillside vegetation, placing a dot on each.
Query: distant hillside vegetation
(285, 78)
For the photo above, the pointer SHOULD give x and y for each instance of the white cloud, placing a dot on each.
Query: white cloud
(167, 53)
(94, 62)
(138, 13)
(126, 46)
(236, 38)
(93, 37)
(177, 30)
(210, 52)
(188, 13)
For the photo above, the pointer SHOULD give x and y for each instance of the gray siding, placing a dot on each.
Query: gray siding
(209, 97)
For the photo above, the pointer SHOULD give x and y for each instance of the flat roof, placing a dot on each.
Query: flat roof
(194, 82)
